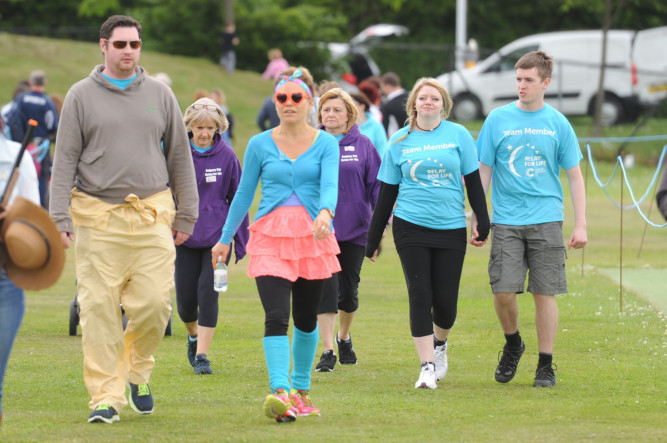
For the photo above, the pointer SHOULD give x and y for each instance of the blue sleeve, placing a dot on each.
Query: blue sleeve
(569, 153)
(245, 193)
(329, 175)
(485, 148)
(469, 161)
(242, 235)
(390, 172)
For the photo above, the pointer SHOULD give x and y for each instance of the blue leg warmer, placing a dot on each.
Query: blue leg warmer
(304, 345)
(277, 354)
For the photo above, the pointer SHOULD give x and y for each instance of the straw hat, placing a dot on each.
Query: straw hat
(35, 253)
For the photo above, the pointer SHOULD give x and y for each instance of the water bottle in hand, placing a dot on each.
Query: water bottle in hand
(220, 277)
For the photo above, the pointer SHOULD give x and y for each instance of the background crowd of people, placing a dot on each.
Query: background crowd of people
(335, 171)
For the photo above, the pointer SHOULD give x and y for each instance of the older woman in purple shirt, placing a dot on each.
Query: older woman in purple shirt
(358, 189)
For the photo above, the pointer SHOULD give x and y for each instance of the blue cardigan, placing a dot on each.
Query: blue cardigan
(313, 176)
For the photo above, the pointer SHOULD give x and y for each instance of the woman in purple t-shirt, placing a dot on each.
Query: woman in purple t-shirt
(358, 189)
(218, 172)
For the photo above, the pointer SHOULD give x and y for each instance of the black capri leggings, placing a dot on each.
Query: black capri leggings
(275, 295)
(342, 289)
(195, 298)
(432, 276)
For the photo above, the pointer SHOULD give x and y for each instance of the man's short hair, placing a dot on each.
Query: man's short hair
(537, 59)
(37, 78)
(391, 78)
(116, 21)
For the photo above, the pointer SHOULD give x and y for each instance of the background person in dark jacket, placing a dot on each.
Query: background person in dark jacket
(358, 189)
(218, 172)
(393, 111)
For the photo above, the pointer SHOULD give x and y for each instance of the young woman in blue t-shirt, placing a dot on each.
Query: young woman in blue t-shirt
(422, 172)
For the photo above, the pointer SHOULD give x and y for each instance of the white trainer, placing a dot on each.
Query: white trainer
(440, 358)
(427, 377)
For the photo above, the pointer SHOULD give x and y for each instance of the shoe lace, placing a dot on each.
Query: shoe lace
(507, 358)
(304, 398)
(143, 390)
(547, 371)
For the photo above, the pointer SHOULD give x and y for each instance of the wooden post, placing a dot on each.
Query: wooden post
(620, 260)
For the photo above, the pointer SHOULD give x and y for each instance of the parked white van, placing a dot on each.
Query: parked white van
(636, 74)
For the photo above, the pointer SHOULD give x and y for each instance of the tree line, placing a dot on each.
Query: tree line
(193, 28)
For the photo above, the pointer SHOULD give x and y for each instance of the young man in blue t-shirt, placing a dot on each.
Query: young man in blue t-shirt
(523, 145)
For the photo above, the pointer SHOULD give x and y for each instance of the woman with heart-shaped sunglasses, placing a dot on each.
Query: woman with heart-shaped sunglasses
(292, 247)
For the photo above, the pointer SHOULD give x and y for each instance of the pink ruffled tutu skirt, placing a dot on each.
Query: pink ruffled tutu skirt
(282, 245)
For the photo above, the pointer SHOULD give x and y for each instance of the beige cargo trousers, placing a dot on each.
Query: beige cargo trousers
(124, 255)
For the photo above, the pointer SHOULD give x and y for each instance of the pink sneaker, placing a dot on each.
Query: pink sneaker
(278, 405)
(304, 405)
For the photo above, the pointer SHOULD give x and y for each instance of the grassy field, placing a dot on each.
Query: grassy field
(612, 380)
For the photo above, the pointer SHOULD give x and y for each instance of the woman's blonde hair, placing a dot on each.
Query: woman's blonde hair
(194, 116)
(352, 113)
(411, 109)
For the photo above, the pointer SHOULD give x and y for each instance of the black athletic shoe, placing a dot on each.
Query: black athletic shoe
(103, 414)
(508, 362)
(141, 399)
(346, 352)
(192, 350)
(202, 365)
(545, 376)
(327, 362)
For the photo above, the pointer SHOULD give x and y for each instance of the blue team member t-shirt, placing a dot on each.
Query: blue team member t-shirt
(428, 167)
(525, 150)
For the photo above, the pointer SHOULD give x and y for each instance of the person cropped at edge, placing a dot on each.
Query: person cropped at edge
(358, 189)
(12, 298)
(119, 184)
(523, 145)
(291, 247)
(218, 171)
(422, 172)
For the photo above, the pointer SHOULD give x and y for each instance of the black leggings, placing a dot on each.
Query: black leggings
(275, 295)
(195, 298)
(342, 289)
(432, 276)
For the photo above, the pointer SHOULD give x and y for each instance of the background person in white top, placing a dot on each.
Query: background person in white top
(523, 145)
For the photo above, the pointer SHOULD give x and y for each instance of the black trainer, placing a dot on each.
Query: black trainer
(192, 350)
(103, 414)
(141, 399)
(508, 362)
(346, 351)
(545, 376)
(327, 362)
(202, 365)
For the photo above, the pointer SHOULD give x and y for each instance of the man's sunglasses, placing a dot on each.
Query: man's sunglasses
(120, 44)
(296, 98)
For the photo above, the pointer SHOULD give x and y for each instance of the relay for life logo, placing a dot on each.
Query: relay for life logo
(530, 162)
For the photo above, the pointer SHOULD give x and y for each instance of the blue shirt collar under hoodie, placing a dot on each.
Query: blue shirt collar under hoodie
(216, 145)
(122, 84)
(198, 149)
